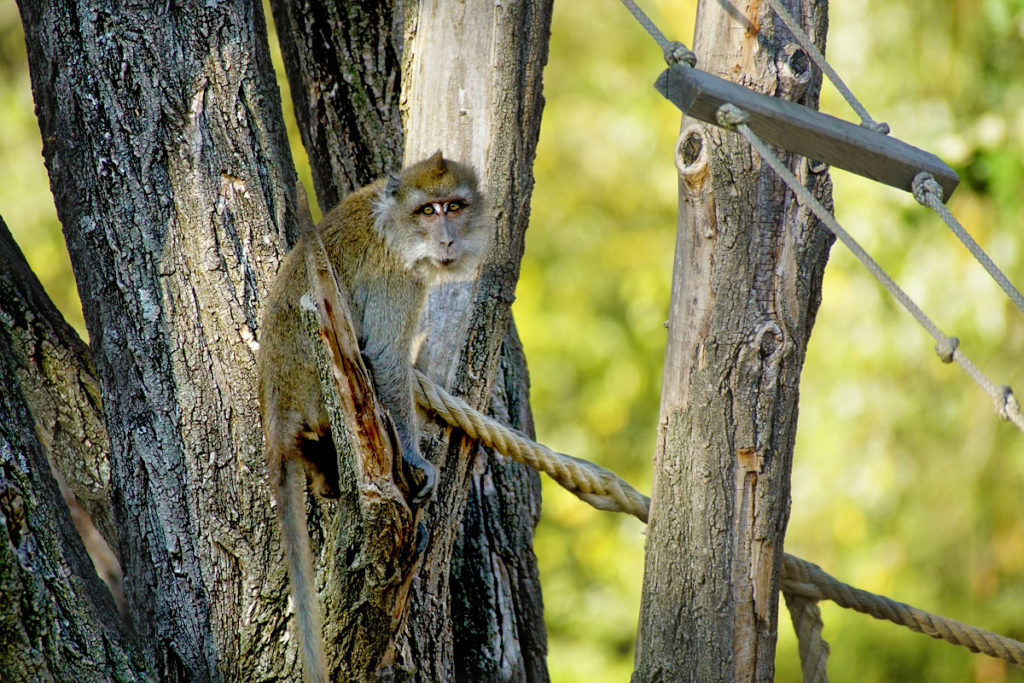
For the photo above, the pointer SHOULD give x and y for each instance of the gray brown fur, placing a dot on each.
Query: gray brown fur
(387, 251)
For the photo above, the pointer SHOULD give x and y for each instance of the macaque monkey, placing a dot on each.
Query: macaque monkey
(389, 242)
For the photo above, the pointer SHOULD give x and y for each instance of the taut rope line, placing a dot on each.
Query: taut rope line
(605, 490)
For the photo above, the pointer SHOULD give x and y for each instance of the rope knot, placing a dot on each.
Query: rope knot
(676, 52)
(926, 189)
(877, 126)
(1006, 405)
(729, 116)
(946, 347)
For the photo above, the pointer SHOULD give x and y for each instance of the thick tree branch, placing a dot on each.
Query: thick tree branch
(58, 380)
(57, 621)
(343, 63)
(374, 527)
(173, 180)
(497, 611)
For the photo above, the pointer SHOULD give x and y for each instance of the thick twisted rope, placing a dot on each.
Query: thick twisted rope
(595, 485)
(803, 580)
(808, 580)
(808, 625)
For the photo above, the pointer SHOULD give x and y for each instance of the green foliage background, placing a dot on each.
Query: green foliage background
(905, 483)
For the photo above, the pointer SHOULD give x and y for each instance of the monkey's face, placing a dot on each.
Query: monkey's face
(446, 228)
(437, 224)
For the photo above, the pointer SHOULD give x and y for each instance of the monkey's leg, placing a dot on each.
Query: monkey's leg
(320, 458)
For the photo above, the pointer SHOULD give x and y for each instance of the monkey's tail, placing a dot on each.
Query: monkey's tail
(291, 510)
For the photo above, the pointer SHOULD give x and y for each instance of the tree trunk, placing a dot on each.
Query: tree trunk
(480, 103)
(746, 287)
(58, 381)
(343, 62)
(173, 181)
(496, 609)
(174, 184)
(57, 620)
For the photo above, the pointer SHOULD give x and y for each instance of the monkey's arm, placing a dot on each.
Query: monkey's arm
(389, 362)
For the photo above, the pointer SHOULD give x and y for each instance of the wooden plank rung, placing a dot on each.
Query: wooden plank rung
(804, 131)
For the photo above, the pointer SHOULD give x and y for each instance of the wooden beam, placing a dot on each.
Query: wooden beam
(805, 131)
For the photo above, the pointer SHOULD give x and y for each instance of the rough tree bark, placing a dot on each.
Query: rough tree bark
(58, 380)
(343, 62)
(746, 287)
(476, 603)
(173, 181)
(483, 104)
(57, 620)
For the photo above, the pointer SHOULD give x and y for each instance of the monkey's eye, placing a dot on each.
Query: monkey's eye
(455, 205)
(427, 210)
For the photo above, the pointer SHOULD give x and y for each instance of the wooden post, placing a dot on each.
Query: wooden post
(746, 286)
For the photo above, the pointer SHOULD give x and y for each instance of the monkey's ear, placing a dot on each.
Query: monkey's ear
(394, 182)
(437, 160)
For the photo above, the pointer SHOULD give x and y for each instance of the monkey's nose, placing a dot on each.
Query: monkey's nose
(446, 250)
(446, 237)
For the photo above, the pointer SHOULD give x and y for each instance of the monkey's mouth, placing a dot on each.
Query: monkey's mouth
(444, 261)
